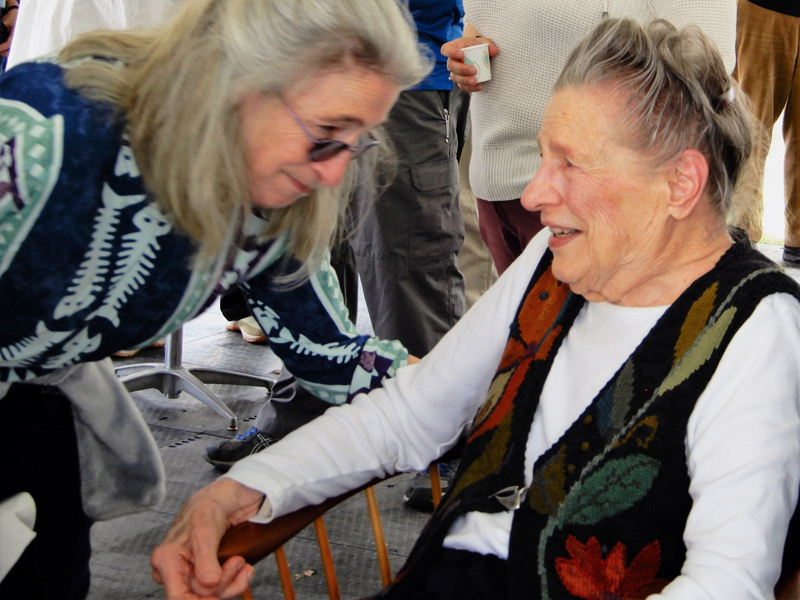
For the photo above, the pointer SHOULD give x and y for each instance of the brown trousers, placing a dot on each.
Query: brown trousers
(768, 69)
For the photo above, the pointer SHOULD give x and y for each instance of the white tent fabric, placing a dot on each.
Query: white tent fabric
(44, 26)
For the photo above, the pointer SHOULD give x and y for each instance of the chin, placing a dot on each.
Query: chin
(559, 272)
(275, 201)
(566, 275)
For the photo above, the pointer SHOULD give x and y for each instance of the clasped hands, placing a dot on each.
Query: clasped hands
(186, 564)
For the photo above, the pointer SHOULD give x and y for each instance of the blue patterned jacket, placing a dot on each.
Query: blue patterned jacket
(90, 265)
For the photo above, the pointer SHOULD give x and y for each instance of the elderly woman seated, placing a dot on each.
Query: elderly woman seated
(628, 389)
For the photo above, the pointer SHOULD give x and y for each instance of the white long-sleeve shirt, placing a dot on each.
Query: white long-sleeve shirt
(742, 440)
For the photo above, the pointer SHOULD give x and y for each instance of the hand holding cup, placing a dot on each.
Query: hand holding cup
(466, 74)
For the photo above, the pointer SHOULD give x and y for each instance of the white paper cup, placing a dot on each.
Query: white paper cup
(478, 57)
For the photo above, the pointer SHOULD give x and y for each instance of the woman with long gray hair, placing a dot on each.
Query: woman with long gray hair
(143, 174)
(628, 389)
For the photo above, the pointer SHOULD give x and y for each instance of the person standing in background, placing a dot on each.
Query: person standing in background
(408, 238)
(767, 45)
(529, 45)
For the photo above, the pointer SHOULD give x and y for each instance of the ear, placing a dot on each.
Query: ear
(687, 182)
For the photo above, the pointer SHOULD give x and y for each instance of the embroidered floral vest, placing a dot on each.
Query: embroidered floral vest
(605, 514)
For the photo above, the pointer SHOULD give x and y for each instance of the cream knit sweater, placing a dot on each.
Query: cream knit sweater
(535, 38)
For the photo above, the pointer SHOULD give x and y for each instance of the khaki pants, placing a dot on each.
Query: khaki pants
(767, 46)
(474, 260)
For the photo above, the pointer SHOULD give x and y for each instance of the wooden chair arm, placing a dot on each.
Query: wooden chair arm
(255, 542)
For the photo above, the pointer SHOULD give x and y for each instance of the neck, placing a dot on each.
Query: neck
(690, 251)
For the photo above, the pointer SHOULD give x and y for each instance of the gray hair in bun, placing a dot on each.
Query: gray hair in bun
(677, 92)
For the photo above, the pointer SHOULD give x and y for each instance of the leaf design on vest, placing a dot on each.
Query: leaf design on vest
(617, 486)
(489, 462)
(614, 405)
(537, 325)
(505, 403)
(95, 265)
(547, 493)
(695, 321)
(512, 354)
(700, 352)
(493, 397)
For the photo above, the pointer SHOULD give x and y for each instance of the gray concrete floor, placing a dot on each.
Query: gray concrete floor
(183, 427)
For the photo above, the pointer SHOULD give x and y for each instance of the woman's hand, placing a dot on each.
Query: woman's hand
(186, 564)
(461, 74)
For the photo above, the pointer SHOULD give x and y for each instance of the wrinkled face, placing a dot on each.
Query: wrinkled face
(604, 204)
(340, 104)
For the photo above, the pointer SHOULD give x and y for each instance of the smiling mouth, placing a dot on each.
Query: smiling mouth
(301, 187)
(560, 233)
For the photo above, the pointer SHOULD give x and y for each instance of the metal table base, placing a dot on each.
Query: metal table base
(173, 377)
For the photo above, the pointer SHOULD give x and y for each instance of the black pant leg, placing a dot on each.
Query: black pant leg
(41, 458)
(233, 305)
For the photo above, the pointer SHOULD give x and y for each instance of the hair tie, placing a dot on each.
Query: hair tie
(725, 100)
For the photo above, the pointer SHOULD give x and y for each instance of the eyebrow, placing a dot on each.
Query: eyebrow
(556, 147)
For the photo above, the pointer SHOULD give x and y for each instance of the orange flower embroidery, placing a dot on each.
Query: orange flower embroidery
(587, 575)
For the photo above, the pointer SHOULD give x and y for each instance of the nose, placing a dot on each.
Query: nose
(541, 191)
(331, 172)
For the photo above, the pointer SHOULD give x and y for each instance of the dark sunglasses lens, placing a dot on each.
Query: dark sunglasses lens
(326, 149)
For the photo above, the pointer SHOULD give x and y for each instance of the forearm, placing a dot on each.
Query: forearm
(404, 426)
(308, 328)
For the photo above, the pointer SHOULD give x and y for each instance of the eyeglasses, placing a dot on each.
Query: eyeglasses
(326, 149)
